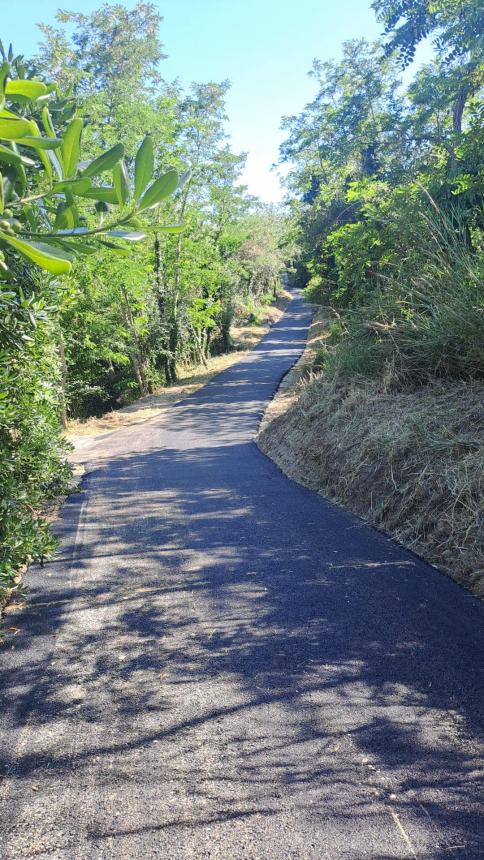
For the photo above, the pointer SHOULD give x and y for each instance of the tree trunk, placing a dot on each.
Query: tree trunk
(171, 357)
(457, 114)
(160, 289)
(136, 354)
(64, 375)
(458, 110)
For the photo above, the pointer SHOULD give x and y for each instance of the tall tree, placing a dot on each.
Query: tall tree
(456, 27)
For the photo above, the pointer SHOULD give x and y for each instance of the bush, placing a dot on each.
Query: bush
(32, 451)
(52, 211)
(428, 319)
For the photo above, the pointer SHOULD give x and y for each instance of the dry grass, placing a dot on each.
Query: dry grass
(409, 462)
(294, 381)
(190, 379)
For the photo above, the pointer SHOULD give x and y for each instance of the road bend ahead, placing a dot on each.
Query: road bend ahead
(220, 664)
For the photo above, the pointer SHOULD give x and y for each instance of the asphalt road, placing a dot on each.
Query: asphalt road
(220, 664)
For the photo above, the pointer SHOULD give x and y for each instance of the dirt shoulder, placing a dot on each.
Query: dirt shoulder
(191, 379)
(408, 462)
(295, 380)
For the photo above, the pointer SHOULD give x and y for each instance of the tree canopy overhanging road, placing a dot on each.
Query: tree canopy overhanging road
(221, 664)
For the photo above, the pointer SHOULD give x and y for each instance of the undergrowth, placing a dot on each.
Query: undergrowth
(426, 320)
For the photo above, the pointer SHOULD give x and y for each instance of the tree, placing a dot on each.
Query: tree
(386, 191)
(456, 27)
(187, 133)
(55, 209)
(205, 203)
(349, 136)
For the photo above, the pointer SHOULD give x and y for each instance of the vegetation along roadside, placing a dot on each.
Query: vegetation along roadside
(385, 184)
(128, 247)
(410, 462)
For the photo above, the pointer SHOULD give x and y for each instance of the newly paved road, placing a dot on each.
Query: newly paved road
(220, 664)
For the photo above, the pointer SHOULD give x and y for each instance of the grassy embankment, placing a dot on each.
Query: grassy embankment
(384, 414)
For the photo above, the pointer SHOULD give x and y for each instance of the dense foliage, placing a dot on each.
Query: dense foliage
(53, 211)
(148, 242)
(386, 186)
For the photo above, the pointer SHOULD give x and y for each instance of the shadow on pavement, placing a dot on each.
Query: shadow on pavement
(221, 646)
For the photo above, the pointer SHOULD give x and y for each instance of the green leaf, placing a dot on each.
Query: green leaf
(77, 186)
(159, 190)
(172, 228)
(11, 157)
(143, 166)
(28, 89)
(41, 142)
(121, 182)
(54, 162)
(34, 138)
(2, 198)
(71, 147)
(13, 127)
(106, 161)
(65, 217)
(122, 234)
(46, 256)
(79, 249)
(47, 123)
(16, 180)
(118, 249)
(4, 70)
(76, 248)
(105, 193)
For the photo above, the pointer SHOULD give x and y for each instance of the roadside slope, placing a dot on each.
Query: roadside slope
(410, 462)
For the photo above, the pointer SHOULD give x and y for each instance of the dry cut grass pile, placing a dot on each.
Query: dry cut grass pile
(410, 462)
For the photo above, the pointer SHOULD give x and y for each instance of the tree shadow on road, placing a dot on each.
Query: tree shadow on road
(216, 645)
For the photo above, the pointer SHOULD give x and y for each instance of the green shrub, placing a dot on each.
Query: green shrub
(32, 451)
(428, 319)
(52, 210)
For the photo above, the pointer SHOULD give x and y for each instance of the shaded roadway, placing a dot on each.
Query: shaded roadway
(221, 664)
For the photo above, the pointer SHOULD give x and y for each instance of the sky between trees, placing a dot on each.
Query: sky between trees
(264, 48)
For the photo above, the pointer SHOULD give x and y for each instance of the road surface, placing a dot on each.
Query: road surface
(220, 664)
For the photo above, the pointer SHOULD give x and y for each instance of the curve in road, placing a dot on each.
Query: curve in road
(220, 664)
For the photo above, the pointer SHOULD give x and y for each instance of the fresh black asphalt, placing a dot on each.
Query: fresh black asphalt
(220, 664)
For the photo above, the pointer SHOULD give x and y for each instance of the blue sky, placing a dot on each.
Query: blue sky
(264, 47)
